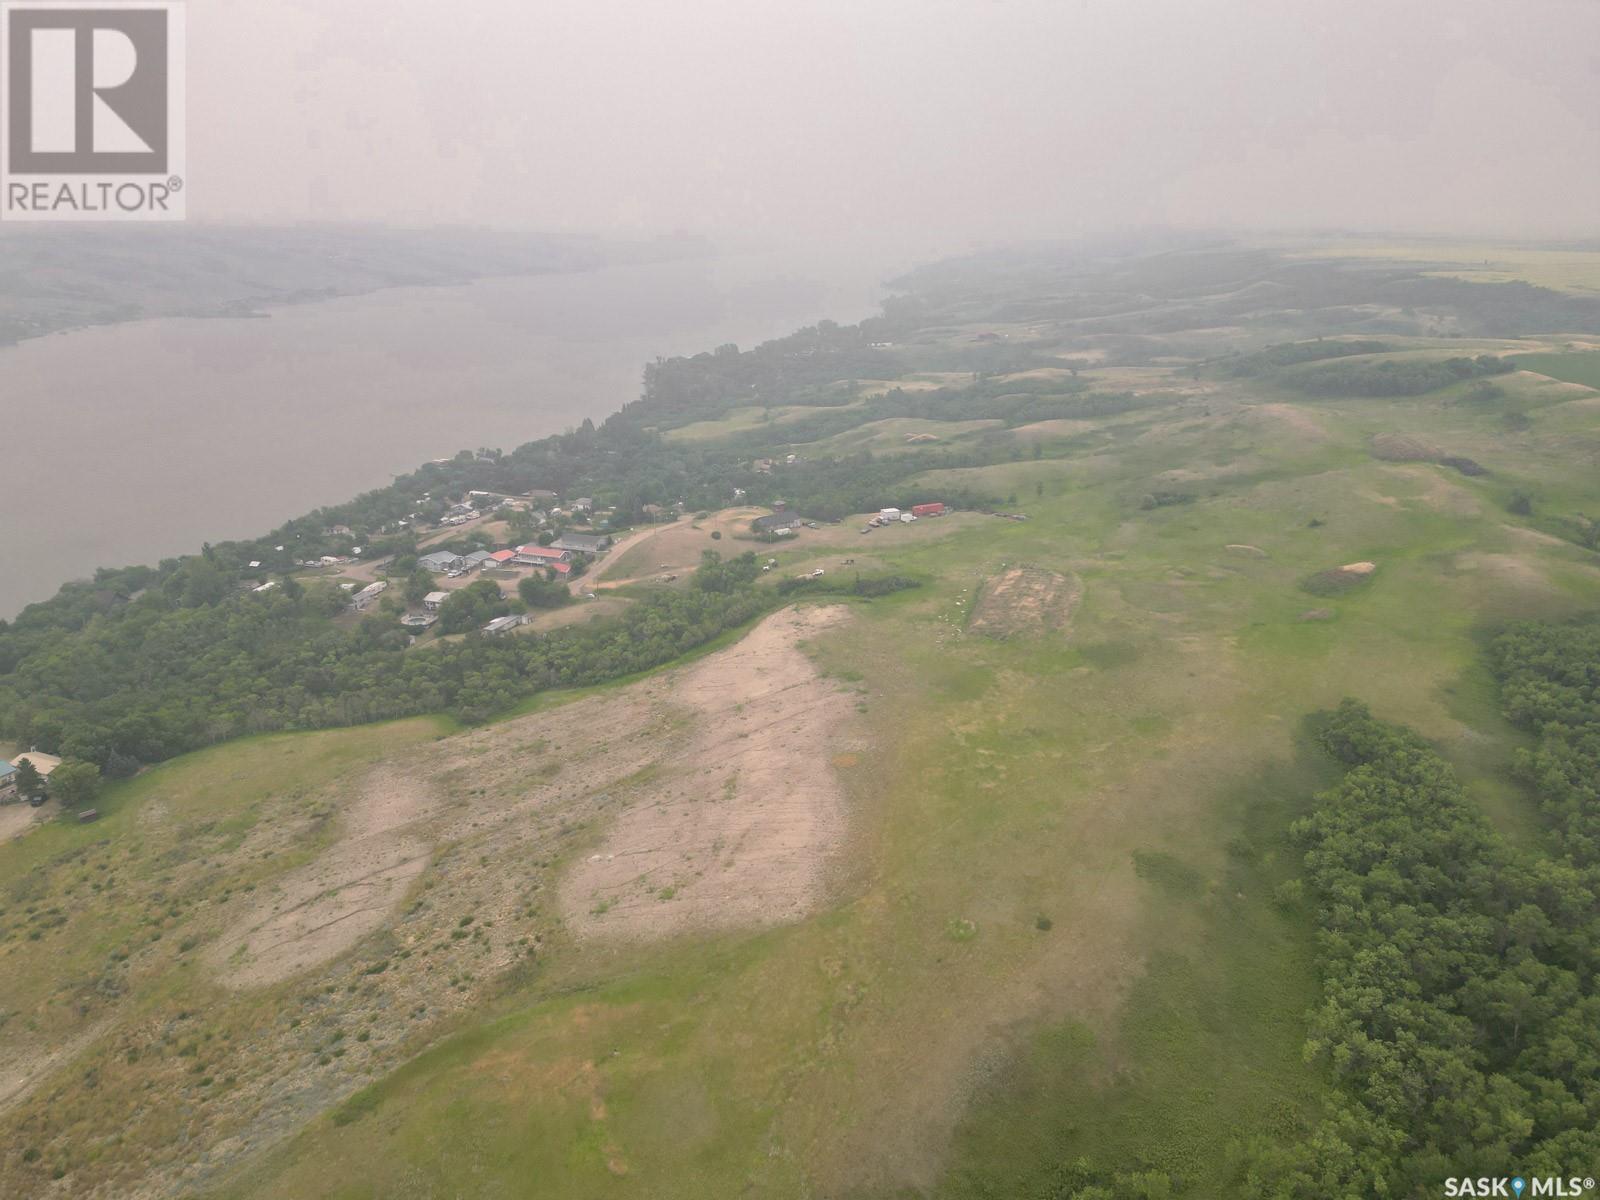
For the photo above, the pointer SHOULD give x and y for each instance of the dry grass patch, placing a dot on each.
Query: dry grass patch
(1024, 602)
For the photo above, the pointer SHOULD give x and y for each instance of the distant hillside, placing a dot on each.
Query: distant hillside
(52, 280)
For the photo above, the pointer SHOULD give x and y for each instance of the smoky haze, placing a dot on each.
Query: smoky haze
(982, 121)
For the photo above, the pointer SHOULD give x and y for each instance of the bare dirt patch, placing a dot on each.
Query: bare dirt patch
(740, 831)
(1025, 601)
(18, 818)
(315, 914)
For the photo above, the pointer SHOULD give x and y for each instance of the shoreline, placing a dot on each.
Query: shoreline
(515, 379)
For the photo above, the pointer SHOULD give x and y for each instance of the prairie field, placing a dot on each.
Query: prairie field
(917, 895)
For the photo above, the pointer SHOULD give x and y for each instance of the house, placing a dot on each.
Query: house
(441, 561)
(935, 509)
(433, 600)
(501, 558)
(583, 543)
(583, 504)
(479, 559)
(505, 624)
(540, 556)
(364, 598)
(42, 763)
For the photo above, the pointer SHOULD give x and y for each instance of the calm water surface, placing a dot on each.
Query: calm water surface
(131, 443)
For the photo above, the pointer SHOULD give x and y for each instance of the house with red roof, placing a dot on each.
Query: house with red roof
(540, 556)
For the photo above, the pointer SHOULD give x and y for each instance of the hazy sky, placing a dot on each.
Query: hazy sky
(969, 121)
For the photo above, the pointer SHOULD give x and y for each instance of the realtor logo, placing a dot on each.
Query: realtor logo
(92, 123)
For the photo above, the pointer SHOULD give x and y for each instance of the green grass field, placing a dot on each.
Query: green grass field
(1057, 927)
(1127, 785)
(1581, 367)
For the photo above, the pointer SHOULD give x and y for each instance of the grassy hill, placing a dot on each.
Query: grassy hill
(1054, 923)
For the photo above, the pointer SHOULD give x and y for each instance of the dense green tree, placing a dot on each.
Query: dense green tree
(29, 783)
(543, 591)
(1460, 1010)
(75, 783)
(472, 607)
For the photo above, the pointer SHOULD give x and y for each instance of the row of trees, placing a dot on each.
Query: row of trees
(164, 680)
(1395, 377)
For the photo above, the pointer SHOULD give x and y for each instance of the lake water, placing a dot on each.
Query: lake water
(131, 443)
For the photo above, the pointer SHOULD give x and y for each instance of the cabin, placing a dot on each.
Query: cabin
(478, 559)
(433, 600)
